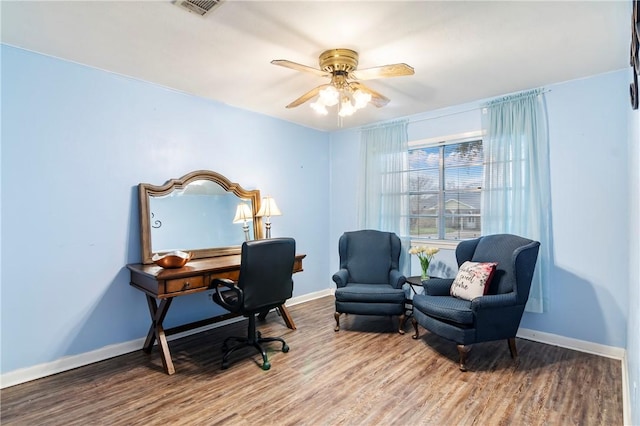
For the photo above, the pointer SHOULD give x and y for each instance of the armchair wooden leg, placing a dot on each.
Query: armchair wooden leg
(512, 347)
(337, 317)
(403, 319)
(463, 350)
(415, 327)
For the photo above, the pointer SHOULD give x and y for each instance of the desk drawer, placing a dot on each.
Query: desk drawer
(182, 284)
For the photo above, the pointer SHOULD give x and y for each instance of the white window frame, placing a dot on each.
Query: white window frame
(437, 142)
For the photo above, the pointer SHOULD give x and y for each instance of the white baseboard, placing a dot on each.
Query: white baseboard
(570, 343)
(308, 297)
(626, 397)
(27, 374)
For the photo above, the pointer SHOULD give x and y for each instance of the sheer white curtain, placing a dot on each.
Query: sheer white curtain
(516, 197)
(382, 201)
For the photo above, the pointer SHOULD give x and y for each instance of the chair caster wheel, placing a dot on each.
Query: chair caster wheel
(266, 365)
(285, 348)
(225, 365)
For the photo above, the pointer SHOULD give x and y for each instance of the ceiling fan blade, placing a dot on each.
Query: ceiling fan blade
(376, 98)
(310, 94)
(385, 71)
(299, 67)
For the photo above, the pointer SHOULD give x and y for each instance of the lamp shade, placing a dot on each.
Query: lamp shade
(268, 207)
(243, 213)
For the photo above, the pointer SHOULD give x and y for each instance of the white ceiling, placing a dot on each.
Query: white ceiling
(461, 50)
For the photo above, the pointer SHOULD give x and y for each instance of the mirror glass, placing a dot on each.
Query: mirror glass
(197, 217)
(195, 214)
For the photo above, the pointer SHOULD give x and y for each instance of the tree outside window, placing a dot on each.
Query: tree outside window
(444, 185)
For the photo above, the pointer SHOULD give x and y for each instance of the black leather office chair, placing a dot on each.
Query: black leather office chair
(264, 283)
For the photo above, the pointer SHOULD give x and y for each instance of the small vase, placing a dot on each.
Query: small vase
(424, 276)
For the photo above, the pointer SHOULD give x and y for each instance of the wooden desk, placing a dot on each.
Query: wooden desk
(162, 285)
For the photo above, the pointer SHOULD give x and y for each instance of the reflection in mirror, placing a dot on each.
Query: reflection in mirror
(196, 213)
(195, 218)
(243, 216)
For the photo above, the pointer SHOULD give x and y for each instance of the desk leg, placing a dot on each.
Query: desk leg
(158, 312)
(286, 316)
(284, 313)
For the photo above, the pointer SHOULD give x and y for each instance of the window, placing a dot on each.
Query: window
(444, 183)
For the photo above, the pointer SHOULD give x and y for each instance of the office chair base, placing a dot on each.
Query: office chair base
(255, 342)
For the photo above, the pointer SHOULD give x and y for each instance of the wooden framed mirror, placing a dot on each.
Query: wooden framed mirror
(195, 213)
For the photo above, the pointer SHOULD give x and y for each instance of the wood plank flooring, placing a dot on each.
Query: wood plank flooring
(365, 374)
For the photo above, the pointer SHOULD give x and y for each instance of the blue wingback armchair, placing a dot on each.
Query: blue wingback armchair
(369, 281)
(494, 316)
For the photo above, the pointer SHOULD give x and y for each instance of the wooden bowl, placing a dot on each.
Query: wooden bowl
(174, 259)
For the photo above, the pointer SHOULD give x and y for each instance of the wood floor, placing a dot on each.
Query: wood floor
(366, 374)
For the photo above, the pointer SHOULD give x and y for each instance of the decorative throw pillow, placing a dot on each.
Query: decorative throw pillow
(472, 280)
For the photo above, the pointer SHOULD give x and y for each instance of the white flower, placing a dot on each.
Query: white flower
(425, 254)
(424, 251)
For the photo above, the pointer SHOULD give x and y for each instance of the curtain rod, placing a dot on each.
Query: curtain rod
(495, 100)
(385, 124)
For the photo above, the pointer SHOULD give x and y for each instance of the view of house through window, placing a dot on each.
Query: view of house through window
(444, 183)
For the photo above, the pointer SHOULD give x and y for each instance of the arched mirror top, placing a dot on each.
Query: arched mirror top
(196, 213)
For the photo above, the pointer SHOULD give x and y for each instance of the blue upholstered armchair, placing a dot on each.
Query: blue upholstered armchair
(369, 281)
(494, 316)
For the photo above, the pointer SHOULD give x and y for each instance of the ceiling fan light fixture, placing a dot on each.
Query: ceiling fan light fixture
(319, 107)
(361, 99)
(329, 96)
(350, 100)
(346, 107)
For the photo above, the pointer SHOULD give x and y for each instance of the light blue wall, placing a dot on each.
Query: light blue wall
(75, 143)
(345, 155)
(588, 285)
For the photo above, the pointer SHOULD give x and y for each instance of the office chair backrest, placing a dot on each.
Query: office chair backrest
(265, 272)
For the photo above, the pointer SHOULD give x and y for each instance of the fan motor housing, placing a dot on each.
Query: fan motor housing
(338, 60)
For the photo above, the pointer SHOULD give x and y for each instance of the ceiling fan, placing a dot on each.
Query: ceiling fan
(340, 65)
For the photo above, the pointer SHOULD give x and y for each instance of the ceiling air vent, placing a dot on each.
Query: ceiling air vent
(200, 7)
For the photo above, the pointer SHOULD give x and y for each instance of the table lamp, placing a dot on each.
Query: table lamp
(243, 215)
(268, 208)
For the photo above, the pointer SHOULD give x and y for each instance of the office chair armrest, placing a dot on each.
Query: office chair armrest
(340, 277)
(396, 279)
(491, 301)
(227, 294)
(224, 282)
(437, 286)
